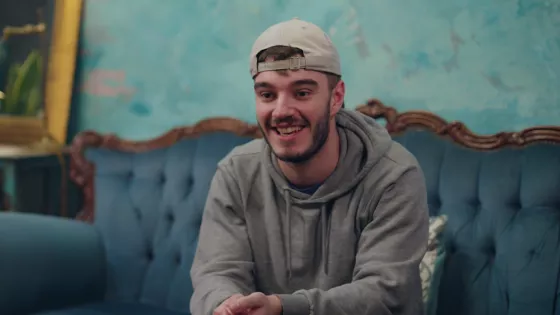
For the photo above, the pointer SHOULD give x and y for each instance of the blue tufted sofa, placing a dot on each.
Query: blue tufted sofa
(130, 249)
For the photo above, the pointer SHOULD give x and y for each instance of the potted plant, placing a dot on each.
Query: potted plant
(22, 96)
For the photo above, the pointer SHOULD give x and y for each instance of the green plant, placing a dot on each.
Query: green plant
(22, 96)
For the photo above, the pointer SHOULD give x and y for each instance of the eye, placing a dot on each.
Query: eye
(303, 93)
(266, 95)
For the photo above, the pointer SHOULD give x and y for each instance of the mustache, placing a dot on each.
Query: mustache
(290, 120)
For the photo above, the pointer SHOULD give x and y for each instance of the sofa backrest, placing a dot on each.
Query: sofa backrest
(146, 199)
(501, 194)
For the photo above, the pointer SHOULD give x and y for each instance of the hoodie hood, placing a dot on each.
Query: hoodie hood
(363, 142)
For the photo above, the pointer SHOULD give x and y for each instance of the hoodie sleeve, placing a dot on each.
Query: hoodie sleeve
(223, 263)
(386, 277)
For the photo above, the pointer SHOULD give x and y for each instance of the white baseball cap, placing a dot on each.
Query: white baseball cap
(319, 53)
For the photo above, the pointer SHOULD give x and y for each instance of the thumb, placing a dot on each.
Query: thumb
(254, 300)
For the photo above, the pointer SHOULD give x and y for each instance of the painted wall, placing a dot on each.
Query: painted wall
(148, 66)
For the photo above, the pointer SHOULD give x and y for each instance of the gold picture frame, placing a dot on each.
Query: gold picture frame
(59, 80)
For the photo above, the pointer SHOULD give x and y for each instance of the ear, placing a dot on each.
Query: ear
(337, 97)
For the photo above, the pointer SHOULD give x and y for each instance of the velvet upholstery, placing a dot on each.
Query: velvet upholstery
(112, 308)
(502, 236)
(48, 263)
(503, 233)
(148, 211)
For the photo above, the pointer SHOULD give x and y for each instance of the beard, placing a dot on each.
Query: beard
(318, 139)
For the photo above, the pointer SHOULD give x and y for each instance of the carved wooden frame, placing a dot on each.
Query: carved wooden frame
(455, 130)
(82, 171)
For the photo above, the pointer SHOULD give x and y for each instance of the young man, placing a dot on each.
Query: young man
(326, 215)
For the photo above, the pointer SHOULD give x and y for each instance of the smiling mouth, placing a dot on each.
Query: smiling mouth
(288, 130)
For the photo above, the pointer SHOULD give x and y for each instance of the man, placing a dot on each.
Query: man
(326, 215)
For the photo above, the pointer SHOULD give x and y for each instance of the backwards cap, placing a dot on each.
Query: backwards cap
(319, 53)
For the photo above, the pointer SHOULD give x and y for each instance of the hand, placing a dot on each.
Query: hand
(226, 307)
(258, 304)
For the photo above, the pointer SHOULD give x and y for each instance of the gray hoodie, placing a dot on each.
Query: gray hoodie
(353, 247)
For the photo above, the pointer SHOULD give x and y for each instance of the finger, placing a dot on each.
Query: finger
(224, 308)
(232, 299)
(255, 300)
(220, 310)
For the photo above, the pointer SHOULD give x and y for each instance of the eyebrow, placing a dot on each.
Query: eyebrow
(314, 83)
(259, 85)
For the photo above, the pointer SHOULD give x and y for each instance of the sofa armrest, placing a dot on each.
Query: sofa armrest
(48, 263)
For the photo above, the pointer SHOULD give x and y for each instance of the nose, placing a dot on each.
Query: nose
(282, 108)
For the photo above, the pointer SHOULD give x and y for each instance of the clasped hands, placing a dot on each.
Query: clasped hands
(253, 304)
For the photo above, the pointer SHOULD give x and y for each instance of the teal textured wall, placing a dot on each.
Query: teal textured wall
(147, 66)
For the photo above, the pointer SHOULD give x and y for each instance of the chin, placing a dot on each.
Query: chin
(293, 158)
(289, 148)
(290, 155)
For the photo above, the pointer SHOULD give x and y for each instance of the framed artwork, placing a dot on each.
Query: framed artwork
(37, 62)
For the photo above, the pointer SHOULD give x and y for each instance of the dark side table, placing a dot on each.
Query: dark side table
(35, 181)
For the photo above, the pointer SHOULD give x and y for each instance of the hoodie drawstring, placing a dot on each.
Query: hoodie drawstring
(325, 230)
(287, 199)
(325, 237)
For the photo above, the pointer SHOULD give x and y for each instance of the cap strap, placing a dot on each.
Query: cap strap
(293, 63)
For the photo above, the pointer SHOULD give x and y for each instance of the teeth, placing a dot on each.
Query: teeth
(288, 130)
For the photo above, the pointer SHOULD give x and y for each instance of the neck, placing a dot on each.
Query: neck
(317, 169)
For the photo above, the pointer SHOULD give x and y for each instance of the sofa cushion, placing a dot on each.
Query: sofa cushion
(113, 308)
(148, 209)
(502, 235)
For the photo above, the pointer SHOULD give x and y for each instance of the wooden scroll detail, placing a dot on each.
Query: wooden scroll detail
(455, 130)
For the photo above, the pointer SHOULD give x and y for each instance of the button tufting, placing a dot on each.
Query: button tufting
(149, 254)
(516, 205)
(451, 248)
(476, 204)
(137, 212)
(491, 251)
(437, 202)
(532, 253)
(178, 259)
(477, 207)
(170, 216)
(190, 181)
(162, 178)
(189, 186)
